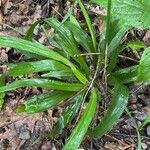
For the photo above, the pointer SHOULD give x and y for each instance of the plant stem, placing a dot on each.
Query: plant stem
(107, 41)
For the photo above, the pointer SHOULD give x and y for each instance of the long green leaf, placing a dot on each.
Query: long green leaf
(67, 42)
(59, 74)
(80, 130)
(43, 83)
(43, 102)
(126, 75)
(36, 66)
(67, 115)
(80, 36)
(89, 24)
(114, 48)
(114, 111)
(38, 49)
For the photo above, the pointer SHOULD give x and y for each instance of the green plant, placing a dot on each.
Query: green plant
(65, 71)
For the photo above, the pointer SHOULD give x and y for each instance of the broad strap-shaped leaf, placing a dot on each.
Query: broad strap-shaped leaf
(144, 66)
(67, 115)
(61, 74)
(36, 66)
(2, 94)
(114, 48)
(43, 102)
(43, 83)
(64, 33)
(81, 128)
(114, 111)
(80, 36)
(39, 49)
(134, 13)
(126, 75)
(66, 40)
(89, 24)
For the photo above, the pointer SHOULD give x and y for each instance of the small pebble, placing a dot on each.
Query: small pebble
(146, 101)
(139, 123)
(146, 110)
(25, 135)
(131, 123)
(144, 146)
(133, 107)
(24, 132)
(139, 106)
(54, 148)
(141, 116)
(133, 99)
(148, 130)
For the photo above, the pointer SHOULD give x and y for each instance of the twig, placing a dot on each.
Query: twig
(128, 135)
(57, 12)
(86, 54)
(121, 56)
(89, 88)
(115, 139)
(107, 41)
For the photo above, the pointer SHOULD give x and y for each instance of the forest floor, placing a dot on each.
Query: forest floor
(20, 131)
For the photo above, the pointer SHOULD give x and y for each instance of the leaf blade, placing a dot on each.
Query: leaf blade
(80, 130)
(38, 49)
(89, 24)
(126, 75)
(67, 41)
(36, 66)
(80, 36)
(67, 115)
(43, 83)
(45, 101)
(114, 111)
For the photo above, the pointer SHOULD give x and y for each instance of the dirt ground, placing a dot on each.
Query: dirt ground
(21, 131)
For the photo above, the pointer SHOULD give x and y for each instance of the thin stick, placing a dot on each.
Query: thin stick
(57, 12)
(107, 41)
(86, 54)
(89, 88)
(121, 56)
(125, 57)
